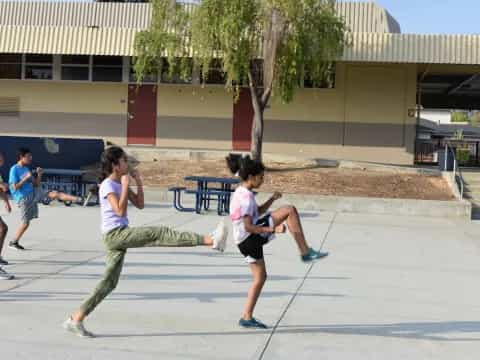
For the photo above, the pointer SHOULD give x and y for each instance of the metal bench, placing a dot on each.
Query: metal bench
(203, 197)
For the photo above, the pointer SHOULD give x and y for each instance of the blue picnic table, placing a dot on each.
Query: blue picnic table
(67, 181)
(209, 188)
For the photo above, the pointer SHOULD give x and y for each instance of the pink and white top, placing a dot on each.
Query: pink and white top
(242, 204)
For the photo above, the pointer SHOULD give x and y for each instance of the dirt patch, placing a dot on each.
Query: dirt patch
(304, 179)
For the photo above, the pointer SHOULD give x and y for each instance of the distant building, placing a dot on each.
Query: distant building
(65, 71)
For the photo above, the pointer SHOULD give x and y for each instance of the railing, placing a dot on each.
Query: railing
(456, 172)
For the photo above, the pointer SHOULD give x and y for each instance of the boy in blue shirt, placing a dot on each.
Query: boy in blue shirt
(27, 193)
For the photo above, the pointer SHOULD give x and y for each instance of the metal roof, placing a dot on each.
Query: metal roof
(110, 28)
(367, 17)
(359, 16)
(413, 48)
(67, 40)
(75, 14)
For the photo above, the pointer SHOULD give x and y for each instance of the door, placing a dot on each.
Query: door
(142, 115)
(242, 121)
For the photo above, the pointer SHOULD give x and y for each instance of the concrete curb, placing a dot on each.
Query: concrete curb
(155, 154)
(406, 207)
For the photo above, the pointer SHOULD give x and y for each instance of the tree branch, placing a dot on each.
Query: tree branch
(253, 91)
(266, 96)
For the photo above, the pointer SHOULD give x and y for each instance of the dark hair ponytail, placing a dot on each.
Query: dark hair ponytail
(244, 166)
(110, 157)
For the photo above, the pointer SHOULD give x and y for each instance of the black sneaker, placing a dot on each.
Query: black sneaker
(15, 245)
(3, 261)
(5, 276)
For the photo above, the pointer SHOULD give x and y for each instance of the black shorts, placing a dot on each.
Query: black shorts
(252, 246)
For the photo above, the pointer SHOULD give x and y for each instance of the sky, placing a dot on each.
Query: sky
(431, 16)
(435, 16)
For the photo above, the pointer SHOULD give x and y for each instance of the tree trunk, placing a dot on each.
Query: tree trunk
(257, 134)
(257, 128)
(272, 34)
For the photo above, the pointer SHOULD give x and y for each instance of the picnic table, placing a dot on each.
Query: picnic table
(208, 189)
(67, 181)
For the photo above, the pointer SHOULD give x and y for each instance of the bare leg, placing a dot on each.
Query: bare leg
(207, 241)
(3, 234)
(259, 277)
(20, 231)
(56, 195)
(290, 214)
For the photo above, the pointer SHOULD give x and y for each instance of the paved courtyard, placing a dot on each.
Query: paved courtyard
(392, 288)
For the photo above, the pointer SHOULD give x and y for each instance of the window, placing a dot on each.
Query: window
(10, 66)
(328, 82)
(149, 78)
(215, 73)
(107, 68)
(38, 67)
(75, 67)
(176, 78)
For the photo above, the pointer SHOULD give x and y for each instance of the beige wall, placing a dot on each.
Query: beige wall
(194, 117)
(67, 109)
(364, 118)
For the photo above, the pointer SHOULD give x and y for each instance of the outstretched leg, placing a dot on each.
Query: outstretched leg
(153, 236)
(57, 195)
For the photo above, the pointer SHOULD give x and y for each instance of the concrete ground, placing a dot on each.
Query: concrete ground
(392, 288)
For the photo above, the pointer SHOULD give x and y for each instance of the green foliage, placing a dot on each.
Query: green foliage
(460, 116)
(167, 38)
(310, 38)
(463, 155)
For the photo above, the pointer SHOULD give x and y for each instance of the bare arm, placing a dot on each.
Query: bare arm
(38, 180)
(119, 205)
(137, 198)
(26, 178)
(265, 206)
(255, 229)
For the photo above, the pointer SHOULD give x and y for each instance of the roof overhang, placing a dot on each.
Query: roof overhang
(366, 47)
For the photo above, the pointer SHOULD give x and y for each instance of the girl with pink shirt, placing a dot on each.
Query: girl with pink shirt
(253, 227)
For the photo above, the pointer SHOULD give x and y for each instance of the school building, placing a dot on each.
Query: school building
(65, 71)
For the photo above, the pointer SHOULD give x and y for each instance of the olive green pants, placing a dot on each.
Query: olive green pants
(117, 241)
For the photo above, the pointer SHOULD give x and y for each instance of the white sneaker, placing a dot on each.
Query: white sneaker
(220, 236)
(77, 328)
(5, 276)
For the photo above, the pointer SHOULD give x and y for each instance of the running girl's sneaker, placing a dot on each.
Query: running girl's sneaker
(77, 328)
(3, 261)
(220, 236)
(5, 276)
(15, 245)
(313, 255)
(252, 323)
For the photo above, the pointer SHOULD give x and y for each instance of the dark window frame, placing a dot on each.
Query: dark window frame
(12, 63)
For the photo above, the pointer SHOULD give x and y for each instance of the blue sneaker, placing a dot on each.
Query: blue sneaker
(313, 255)
(252, 324)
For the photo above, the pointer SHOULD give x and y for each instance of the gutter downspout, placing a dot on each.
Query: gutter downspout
(419, 105)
